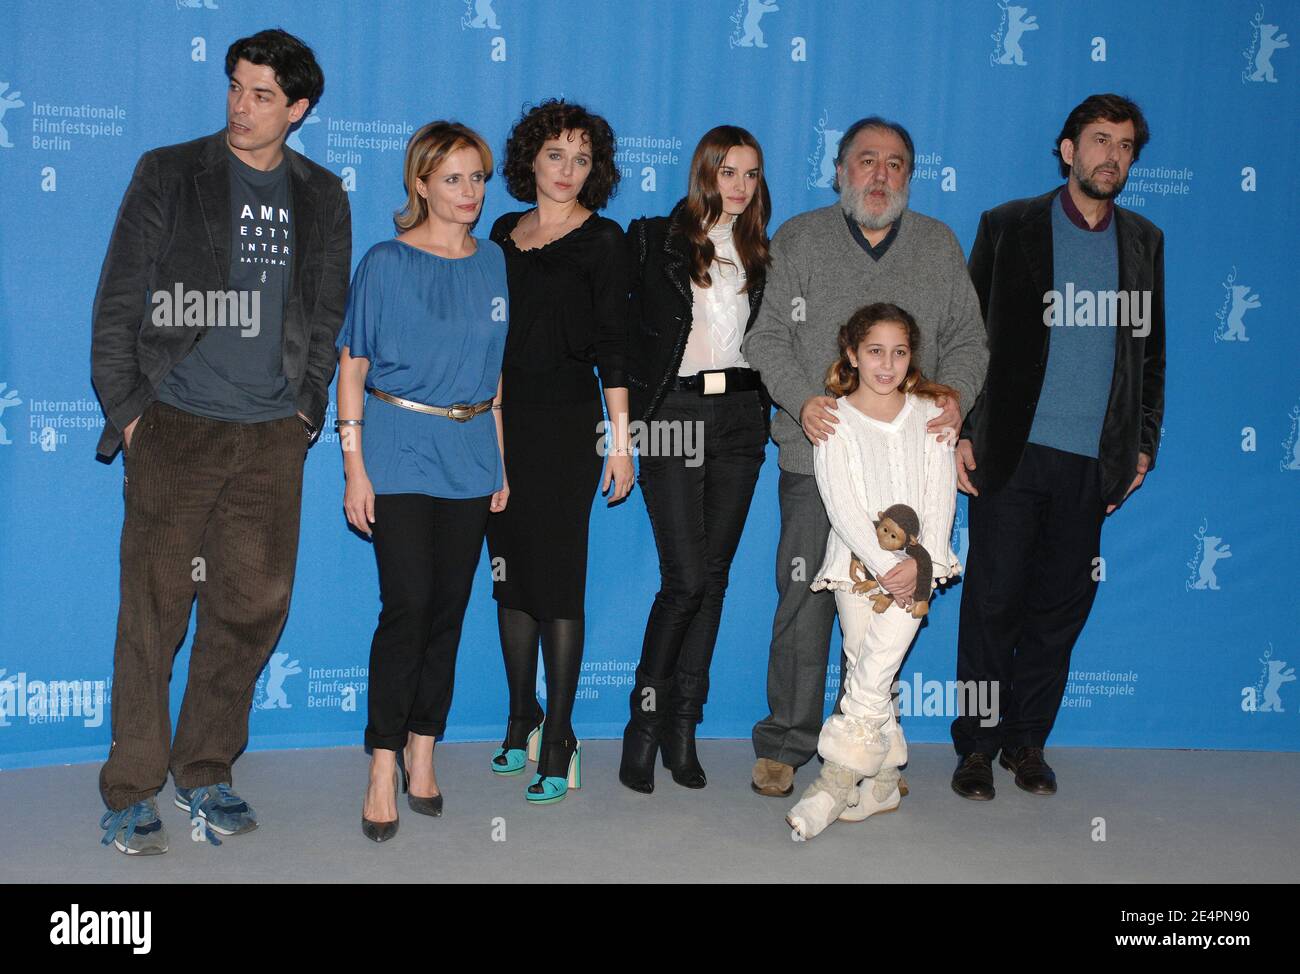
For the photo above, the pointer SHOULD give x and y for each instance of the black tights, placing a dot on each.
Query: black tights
(562, 657)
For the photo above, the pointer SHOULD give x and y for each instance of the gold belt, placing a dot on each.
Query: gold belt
(460, 412)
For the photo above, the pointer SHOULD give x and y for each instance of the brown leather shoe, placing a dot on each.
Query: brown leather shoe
(973, 778)
(1033, 774)
(772, 779)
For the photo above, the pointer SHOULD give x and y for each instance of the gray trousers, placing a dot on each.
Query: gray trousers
(801, 631)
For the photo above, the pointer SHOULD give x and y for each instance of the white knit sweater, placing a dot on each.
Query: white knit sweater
(865, 466)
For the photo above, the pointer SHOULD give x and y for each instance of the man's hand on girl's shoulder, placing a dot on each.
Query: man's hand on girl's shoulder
(950, 417)
(817, 418)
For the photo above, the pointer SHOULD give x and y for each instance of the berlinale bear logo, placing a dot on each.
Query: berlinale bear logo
(1263, 697)
(822, 175)
(271, 683)
(7, 101)
(1007, 49)
(1237, 300)
(479, 15)
(1210, 550)
(748, 33)
(1264, 40)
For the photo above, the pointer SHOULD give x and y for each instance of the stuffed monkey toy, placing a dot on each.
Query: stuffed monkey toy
(898, 529)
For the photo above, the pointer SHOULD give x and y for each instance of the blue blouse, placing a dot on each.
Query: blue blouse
(434, 330)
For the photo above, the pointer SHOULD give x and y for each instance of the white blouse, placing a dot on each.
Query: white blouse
(719, 312)
(865, 466)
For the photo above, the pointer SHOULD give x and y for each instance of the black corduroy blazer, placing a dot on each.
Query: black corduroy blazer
(173, 228)
(1011, 267)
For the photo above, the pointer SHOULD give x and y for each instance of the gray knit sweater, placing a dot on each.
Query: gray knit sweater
(816, 259)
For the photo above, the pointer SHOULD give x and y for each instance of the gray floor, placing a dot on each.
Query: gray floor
(1169, 816)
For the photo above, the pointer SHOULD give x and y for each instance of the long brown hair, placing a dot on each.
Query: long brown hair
(703, 206)
(842, 377)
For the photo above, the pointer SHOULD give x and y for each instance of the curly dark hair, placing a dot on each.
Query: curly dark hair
(294, 63)
(547, 121)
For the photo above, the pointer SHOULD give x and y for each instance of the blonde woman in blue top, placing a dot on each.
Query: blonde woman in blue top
(421, 351)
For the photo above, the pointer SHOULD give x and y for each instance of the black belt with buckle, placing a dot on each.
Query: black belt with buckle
(717, 382)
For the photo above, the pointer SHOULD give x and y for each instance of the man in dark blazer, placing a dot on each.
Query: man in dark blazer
(218, 305)
(1066, 427)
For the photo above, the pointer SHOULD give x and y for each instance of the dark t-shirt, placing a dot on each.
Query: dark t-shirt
(879, 249)
(236, 372)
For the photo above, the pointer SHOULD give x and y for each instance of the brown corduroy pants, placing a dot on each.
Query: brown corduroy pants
(212, 512)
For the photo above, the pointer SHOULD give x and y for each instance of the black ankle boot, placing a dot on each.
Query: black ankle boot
(677, 739)
(648, 702)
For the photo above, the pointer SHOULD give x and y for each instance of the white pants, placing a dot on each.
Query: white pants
(866, 736)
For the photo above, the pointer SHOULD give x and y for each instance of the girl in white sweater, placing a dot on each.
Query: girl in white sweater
(879, 455)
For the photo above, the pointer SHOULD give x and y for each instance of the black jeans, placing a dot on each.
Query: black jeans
(697, 506)
(427, 549)
(1027, 590)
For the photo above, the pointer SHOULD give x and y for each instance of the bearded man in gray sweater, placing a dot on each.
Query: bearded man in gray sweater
(827, 263)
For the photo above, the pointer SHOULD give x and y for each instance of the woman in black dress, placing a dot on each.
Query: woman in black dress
(696, 290)
(568, 302)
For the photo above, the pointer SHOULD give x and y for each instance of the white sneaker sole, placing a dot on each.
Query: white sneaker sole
(138, 852)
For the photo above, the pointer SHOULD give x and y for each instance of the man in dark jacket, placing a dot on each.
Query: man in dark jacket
(214, 323)
(1067, 426)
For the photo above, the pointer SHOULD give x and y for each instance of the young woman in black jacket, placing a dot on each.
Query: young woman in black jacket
(697, 282)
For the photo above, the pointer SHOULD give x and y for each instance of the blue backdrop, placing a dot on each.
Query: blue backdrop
(1193, 639)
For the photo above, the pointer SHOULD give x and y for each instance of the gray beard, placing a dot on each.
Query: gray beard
(854, 205)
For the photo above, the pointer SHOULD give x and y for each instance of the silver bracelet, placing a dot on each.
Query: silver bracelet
(348, 422)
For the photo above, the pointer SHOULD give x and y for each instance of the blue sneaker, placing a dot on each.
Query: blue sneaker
(136, 831)
(219, 807)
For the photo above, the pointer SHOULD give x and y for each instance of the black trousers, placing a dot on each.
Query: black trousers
(427, 549)
(697, 505)
(1028, 588)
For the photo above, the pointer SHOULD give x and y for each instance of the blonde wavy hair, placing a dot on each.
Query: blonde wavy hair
(429, 146)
